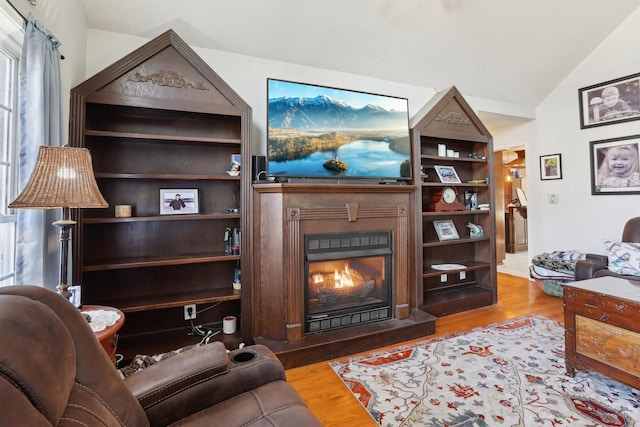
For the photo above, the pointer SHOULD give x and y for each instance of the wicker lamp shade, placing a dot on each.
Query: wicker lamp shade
(62, 177)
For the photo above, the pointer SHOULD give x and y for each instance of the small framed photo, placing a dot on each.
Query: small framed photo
(446, 229)
(614, 166)
(447, 174)
(471, 200)
(175, 201)
(235, 165)
(613, 101)
(551, 167)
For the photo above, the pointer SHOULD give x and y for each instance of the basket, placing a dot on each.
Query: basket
(553, 288)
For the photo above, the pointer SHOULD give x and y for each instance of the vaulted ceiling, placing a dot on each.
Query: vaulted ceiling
(513, 51)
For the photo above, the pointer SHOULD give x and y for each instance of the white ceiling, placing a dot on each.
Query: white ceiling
(513, 51)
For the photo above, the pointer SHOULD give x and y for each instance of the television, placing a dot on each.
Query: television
(319, 132)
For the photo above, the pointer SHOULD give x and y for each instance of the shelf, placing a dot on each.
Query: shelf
(165, 176)
(458, 213)
(145, 136)
(470, 265)
(162, 137)
(452, 291)
(451, 184)
(204, 216)
(133, 304)
(461, 241)
(454, 159)
(138, 262)
(457, 300)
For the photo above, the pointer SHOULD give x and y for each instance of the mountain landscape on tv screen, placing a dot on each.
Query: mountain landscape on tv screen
(322, 136)
(325, 113)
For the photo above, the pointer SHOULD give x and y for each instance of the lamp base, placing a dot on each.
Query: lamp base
(65, 224)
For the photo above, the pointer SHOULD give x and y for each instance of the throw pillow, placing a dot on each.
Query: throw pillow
(624, 257)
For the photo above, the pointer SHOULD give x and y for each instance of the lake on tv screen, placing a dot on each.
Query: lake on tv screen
(363, 158)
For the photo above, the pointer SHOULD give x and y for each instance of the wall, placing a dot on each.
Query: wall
(248, 76)
(580, 220)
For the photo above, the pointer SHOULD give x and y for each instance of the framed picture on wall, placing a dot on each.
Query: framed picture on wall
(174, 201)
(551, 167)
(615, 167)
(610, 102)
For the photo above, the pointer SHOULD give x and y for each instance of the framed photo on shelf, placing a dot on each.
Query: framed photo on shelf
(447, 174)
(551, 167)
(175, 201)
(614, 166)
(446, 229)
(471, 200)
(610, 102)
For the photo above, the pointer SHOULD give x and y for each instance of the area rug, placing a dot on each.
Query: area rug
(506, 374)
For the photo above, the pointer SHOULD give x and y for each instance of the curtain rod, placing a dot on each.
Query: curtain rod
(25, 19)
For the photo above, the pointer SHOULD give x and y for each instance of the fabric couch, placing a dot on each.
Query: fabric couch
(53, 372)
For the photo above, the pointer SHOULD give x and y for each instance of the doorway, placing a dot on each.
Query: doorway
(511, 209)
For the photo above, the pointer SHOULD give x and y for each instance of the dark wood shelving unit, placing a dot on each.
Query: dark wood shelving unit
(177, 131)
(450, 121)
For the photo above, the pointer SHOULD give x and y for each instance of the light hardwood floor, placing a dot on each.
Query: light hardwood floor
(335, 406)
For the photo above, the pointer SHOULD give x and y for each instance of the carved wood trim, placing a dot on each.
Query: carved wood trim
(343, 213)
(453, 118)
(352, 211)
(167, 78)
(294, 291)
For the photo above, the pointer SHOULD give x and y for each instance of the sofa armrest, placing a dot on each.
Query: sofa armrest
(597, 258)
(586, 269)
(196, 379)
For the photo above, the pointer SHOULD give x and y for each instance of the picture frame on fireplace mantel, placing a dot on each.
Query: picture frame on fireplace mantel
(446, 230)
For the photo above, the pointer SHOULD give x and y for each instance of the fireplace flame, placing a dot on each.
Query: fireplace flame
(343, 279)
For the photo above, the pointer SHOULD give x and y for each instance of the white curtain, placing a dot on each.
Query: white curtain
(40, 122)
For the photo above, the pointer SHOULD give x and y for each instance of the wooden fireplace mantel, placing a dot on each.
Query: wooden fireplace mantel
(283, 215)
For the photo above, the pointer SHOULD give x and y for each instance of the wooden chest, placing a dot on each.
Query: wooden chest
(602, 328)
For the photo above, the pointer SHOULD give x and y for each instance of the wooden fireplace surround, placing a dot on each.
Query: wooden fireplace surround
(283, 215)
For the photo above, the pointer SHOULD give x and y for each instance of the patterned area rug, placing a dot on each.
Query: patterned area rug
(507, 374)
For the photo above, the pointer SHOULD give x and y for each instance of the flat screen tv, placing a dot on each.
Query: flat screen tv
(327, 133)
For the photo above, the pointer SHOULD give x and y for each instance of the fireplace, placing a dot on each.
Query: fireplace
(348, 279)
(305, 233)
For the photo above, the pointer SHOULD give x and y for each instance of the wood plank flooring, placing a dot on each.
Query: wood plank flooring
(335, 406)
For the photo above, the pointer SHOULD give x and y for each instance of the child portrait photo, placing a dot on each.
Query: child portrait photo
(615, 168)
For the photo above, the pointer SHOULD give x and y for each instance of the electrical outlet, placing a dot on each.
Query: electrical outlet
(553, 199)
(443, 278)
(189, 311)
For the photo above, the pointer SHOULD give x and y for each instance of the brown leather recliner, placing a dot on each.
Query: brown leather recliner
(595, 265)
(53, 372)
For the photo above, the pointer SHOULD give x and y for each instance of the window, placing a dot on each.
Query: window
(9, 55)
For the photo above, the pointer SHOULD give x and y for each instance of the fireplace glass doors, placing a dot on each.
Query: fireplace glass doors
(347, 279)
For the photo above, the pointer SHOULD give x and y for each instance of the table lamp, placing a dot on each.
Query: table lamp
(62, 178)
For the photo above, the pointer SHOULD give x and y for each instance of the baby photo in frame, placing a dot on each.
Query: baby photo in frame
(615, 166)
(446, 229)
(177, 201)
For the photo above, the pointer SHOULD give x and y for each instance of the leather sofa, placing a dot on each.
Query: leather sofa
(53, 372)
(595, 265)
